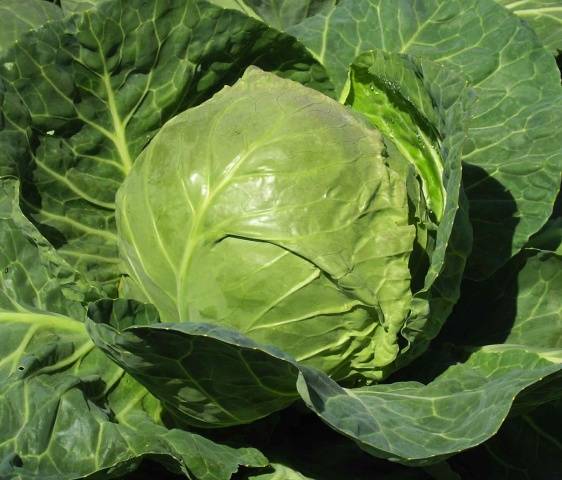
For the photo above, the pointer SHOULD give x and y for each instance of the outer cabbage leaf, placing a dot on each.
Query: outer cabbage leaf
(279, 14)
(277, 215)
(33, 276)
(422, 109)
(519, 306)
(545, 16)
(20, 16)
(521, 303)
(525, 447)
(538, 303)
(417, 424)
(82, 97)
(299, 441)
(204, 375)
(239, 5)
(408, 422)
(549, 238)
(63, 432)
(74, 6)
(66, 410)
(513, 156)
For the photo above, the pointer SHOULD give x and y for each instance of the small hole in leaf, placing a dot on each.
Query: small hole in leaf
(16, 461)
(20, 368)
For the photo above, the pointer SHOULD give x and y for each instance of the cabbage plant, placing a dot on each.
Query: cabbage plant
(279, 239)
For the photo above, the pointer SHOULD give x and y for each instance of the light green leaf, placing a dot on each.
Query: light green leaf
(83, 96)
(73, 6)
(545, 16)
(422, 109)
(66, 410)
(388, 89)
(240, 5)
(20, 16)
(513, 157)
(280, 472)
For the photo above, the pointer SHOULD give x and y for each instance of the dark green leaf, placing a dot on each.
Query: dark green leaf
(204, 374)
(279, 14)
(513, 158)
(525, 448)
(417, 424)
(521, 303)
